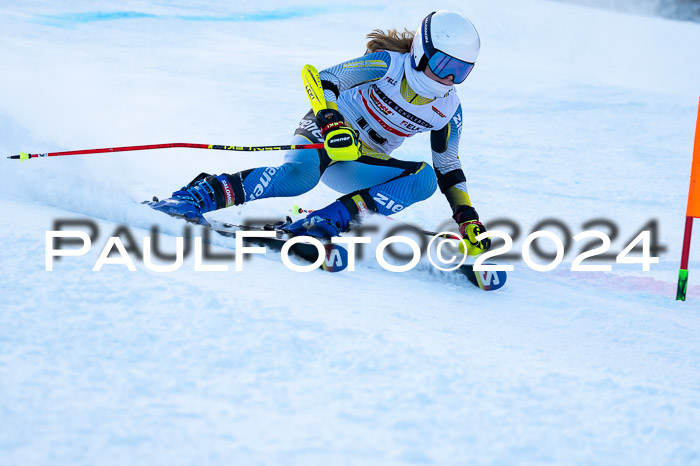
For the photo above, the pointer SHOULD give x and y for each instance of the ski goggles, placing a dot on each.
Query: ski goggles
(440, 63)
(444, 65)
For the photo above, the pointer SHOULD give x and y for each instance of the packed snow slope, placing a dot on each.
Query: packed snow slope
(571, 113)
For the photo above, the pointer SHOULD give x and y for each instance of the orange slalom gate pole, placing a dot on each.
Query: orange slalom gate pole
(693, 211)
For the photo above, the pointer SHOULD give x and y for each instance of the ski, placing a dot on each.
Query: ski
(336, 259)
(336, 255)
(487, 281)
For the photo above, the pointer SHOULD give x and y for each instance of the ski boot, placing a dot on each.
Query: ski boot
(194, 200)
(324, 223)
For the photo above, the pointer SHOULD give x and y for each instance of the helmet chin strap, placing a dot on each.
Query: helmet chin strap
(422, 84)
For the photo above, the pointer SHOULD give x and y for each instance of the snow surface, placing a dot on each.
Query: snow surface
(572, 113)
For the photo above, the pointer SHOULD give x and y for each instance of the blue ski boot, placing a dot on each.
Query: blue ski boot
(203, 194)
(324, 223)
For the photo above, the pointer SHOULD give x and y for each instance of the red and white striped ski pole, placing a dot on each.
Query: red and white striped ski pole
(22, 156)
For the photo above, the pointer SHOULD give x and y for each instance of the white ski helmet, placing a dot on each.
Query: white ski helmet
(447, 43)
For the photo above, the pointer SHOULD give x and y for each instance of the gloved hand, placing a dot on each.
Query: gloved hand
(470, 227)
(341, 142)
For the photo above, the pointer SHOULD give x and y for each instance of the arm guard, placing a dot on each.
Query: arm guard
(451, 180)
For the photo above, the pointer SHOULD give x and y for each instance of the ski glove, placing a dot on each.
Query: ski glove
(470, 227)
(341, 142)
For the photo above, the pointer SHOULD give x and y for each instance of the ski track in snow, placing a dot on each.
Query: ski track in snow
(271, 366)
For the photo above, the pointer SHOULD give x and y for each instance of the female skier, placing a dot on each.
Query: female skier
(403, 85)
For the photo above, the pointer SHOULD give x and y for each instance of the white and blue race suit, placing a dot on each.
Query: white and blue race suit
(367, 91)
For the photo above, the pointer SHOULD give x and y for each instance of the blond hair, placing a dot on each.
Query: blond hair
(391, 40)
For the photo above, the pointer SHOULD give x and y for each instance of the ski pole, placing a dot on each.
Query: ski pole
(22, 156)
